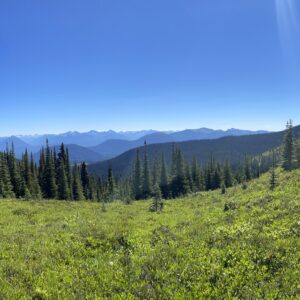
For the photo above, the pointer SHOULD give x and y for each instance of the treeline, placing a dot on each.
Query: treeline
(52, 178)
(190, 177)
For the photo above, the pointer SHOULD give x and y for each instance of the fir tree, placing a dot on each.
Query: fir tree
(146, 183)
(49, 182)
(196, 176)
(288, 147)
(157, 203)
(111, 188)
(137, 180)
(6, 188)
(273, 179)
(227, 177)
(85, 179)
(164, 181)
(62, 184)
(77, 190)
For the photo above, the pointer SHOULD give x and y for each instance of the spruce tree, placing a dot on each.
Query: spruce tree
(62, 184)
(227, 175)
(77, 190)
(179, 185)
(85, 179)
(297, 153)
(111, 188)
(137, 178)
(15, 173)
(247, 169)
(6, 188)
(157, 203)
(196, 178)
(49, 181)
(288, 147)
(273, 179)
(146, 183)
(164, 180)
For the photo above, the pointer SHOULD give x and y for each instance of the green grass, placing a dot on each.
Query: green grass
(192, 250)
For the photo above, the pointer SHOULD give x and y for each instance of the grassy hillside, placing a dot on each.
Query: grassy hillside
(232, 148)
(242, 245)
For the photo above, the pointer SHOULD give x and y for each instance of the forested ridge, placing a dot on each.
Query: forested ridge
(55, 178)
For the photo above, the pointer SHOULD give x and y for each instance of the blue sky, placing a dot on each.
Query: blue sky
(137, 64)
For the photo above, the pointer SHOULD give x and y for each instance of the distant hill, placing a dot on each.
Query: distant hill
(233, 148)
(112, 148)
(86, 139)
(19, 145)
(77, 154)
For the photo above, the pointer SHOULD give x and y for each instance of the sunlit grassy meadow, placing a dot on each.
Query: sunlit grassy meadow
(241, 245)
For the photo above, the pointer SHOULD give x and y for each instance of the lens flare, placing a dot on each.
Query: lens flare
(288, 21)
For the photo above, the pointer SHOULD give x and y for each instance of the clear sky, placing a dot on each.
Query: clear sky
(141, 64)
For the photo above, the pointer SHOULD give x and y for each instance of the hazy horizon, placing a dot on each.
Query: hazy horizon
(132, 131)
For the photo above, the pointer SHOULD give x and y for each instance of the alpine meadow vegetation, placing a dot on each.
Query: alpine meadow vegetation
(240, 245)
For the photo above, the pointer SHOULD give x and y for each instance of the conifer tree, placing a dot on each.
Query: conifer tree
(85, 179)
(196, 178)
(164, 180)
(6, 188)
(49, 182)
(27, 171)
(297, 153)
(77, 186)
(137, 178)
(111, 188)
(35, 187)
(62, 184)
(227, 177)
(179, 185)
(146, 183)
(15, 174)
(247, 169)
(273, 179)
(157, 203)
(288, 147)
(155, 172)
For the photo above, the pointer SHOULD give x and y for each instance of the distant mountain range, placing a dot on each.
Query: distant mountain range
(95, 146)
(233, 148)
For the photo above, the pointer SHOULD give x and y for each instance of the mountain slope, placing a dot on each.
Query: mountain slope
(232, 148)
(77, 154)
(112, 148)
(19, 145)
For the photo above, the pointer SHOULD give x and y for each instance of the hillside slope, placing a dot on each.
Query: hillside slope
(112, 148)
(77, 153)
(232, 148)
(242, 245)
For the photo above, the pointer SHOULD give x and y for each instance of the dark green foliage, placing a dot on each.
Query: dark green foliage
(137, 178)
(49, 187)
(157, 203)
(77, 185)
(223, 189)
(273, 179)
(227, 176)
(288, 150)
(146, 182)
(164, 181)
(6, 188)
(85, 179)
